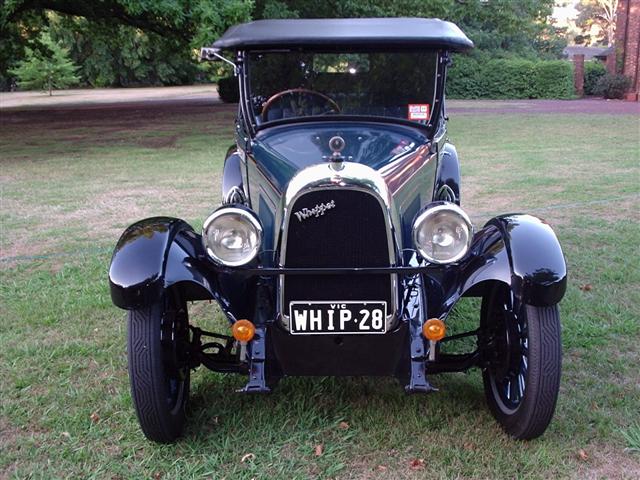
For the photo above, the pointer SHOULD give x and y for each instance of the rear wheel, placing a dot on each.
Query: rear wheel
(158, 338)
(523, 362)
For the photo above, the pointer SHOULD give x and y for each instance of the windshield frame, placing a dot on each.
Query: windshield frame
(252, 127)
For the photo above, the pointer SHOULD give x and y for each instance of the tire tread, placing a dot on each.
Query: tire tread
(548, 359)
(146, 374)
(534, 414)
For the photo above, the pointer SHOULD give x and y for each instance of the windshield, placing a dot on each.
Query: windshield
(290, 85)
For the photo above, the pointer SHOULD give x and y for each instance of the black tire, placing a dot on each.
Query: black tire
(524, 358)
(159, 368)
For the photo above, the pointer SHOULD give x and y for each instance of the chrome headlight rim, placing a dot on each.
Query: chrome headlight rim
(246, 215)
(430, 211)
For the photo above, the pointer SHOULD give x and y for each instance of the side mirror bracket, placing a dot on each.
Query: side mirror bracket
(209, 54)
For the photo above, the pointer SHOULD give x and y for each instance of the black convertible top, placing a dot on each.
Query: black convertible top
(344, 33)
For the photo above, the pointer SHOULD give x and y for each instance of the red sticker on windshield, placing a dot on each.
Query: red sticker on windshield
(418, 111)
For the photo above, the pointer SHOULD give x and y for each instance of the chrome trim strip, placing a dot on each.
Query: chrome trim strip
(353, 176)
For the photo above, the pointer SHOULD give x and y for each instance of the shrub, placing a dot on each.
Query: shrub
(228, 89)
(612, 86)
(472, 77)
(594, 70)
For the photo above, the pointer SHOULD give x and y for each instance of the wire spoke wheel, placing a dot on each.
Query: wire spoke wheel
(508, 373)
(522, 353)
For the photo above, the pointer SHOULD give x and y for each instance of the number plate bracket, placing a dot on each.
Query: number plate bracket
(337, 317)
(418, 382)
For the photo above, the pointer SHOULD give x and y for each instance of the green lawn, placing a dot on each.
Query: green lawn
(69, 189)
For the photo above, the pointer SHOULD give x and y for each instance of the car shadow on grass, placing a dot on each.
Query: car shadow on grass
(308, 404)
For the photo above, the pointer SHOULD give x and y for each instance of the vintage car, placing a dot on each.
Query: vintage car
(340, 247)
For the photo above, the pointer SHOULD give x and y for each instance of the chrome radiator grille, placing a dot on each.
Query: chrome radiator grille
(336, 228)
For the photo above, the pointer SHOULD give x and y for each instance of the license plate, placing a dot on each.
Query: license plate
(347, 317)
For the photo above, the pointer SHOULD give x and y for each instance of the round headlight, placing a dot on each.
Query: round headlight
(442, 233)
(232, 236)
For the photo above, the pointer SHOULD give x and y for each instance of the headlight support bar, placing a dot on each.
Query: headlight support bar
(275, 271)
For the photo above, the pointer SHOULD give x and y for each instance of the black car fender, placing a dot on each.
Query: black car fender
(447, 183)
(153, 255)
(520, 251)
(537, 264)
(232, 179)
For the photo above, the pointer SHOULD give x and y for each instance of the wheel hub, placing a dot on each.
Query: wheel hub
(507, 345)
(174, 337)
(506, 351)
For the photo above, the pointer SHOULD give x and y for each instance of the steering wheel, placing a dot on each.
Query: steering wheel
(297, 101)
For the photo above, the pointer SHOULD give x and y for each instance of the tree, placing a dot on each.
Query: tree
(143, 42)
(515, 26)
(192, 21)
(122, 55)
(46, 71)
(120, 42)
(598, 13)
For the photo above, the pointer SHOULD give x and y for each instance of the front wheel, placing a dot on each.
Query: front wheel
(523, 362)
(158, 338)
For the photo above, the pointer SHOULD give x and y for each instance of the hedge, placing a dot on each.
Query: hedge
(472, 77)
(594, 70)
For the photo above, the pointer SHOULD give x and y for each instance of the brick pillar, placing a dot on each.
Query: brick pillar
(578, 74)
(627, 43)
(622, 19)
(632, 49)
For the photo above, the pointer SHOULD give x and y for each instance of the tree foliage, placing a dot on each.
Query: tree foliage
(122, 55)
(46, 71)
(134, 42)
(121, 42)
(517, 26)
(599, 13)
(187, 20)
